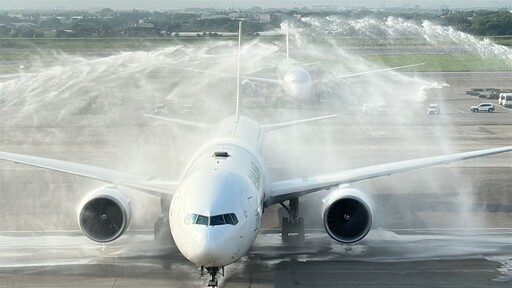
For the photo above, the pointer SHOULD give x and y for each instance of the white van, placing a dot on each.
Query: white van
(505, 99)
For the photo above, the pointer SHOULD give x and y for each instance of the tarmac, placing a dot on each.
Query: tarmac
(446, 226)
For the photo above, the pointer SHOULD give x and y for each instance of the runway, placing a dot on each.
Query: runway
(446, 226)
(430, 257)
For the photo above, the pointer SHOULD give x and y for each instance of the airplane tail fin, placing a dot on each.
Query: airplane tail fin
(237, 115)
(270, 127)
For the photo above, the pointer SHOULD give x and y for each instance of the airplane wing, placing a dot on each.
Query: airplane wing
(261, 79)
(271, 127)
(197, 125)
(204, 71)
(280, 191)
(148, 185)
(276, 81)
(380, 70)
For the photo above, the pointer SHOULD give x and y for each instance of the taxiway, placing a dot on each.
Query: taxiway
(437, 227)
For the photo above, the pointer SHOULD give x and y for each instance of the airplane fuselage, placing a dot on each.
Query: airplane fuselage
(294, 79)
(215, 214)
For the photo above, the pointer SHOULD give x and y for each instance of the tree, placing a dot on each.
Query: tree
(107, 12)
(4, 31)
(52, 23)
(172, 27)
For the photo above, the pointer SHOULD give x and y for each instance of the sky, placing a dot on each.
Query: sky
(221, 4)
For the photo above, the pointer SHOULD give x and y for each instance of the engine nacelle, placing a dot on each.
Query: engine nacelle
(104, 214)
(347, 215)
(248, 87)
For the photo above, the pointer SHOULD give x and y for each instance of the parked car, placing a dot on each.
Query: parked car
(433, 109)
(375, 109)
(505, 99)
(161, 109)
(382, 109)
(486, 107)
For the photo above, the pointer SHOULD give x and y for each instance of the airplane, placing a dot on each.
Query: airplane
(296, 80)
(214, 211)
(293, 77)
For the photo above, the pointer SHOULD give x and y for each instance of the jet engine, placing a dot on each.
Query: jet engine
(104, 214)
(347, 215)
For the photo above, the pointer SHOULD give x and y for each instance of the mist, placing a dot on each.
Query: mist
(162, 5)
(89, 109)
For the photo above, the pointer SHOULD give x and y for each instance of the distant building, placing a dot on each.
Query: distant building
(143, 28)
(212, 16)
(238, 15)
(324, 7)
(264, 17)
(24, 25)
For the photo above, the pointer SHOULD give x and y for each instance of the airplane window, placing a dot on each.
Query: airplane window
(231, 218)
(190, 218)
(235, 220)
(193, 218)
(202, 220)
(228, 219)
(213, 221)
(217, 220)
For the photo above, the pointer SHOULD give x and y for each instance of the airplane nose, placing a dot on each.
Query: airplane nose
(210, 249)
(302, 90)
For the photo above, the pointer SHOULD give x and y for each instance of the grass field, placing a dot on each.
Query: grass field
(15, 52)
(95, 43)
(465, 62)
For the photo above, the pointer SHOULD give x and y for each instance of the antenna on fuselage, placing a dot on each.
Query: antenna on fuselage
(237, 115)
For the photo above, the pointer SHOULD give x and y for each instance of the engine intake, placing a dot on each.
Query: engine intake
(105, 214)
(347, 215)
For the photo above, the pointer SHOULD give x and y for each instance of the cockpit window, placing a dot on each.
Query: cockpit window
(190, 218)
(231, 218)
(211, 221)
(217, 220)
(201, 220)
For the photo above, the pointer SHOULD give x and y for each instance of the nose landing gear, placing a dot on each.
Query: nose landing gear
(213, 271)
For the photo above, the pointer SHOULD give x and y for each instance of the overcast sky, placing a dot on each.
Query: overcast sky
(179, 4)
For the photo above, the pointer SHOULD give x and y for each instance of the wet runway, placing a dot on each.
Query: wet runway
(446, 226)
(424, 258)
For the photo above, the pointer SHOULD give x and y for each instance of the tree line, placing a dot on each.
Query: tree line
(110, 23)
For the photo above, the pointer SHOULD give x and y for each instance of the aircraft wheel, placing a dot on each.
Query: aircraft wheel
(300, 228)
(285, 228)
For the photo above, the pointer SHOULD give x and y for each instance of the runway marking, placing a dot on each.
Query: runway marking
(459, 110)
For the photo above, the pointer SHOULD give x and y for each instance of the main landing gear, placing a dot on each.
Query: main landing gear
(292, 227)
(213, 271)
(162, 230)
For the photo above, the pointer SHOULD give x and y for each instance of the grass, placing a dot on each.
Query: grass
(16, 56)
(93, 43)
(27, 49)
(465, 62)
(502, 40)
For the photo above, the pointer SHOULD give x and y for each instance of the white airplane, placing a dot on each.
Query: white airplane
(296, 81)
(214, 211)
(293, 78)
